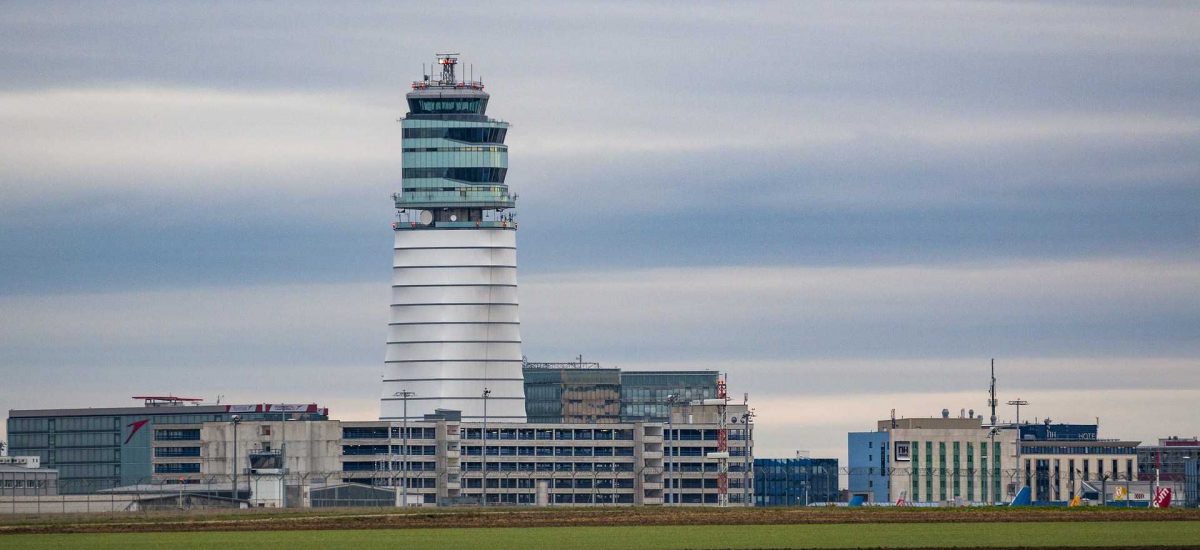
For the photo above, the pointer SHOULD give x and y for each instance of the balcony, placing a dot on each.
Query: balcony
(485, 224)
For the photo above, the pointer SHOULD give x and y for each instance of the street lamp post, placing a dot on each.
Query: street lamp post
(283, 452)
(404, 395)
(1022, 479)
(671, 399)
(236, 420)
(483, 437)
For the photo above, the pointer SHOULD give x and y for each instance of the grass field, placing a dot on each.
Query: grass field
(866, 535)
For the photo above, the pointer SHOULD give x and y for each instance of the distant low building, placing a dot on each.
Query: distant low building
(960, 460)
(933, 460)
(23, 476)
(95, 449)
(795, 481)
(1167, 460)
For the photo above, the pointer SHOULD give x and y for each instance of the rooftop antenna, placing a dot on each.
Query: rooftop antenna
(1018, 402)
(448, 61)
(893, 419)
(992, 392)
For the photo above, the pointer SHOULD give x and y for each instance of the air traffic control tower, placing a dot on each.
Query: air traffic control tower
(454, 339)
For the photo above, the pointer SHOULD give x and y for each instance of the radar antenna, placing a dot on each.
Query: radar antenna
(448, 61)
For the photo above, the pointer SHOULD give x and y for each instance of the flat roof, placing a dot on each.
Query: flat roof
(117, 411)
(933, 423)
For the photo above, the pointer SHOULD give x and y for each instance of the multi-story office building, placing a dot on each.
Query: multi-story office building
(934, 460)
(645, 395)
(573, 392)
(795, 481)
(961, 460)
(454, 340)
(1059, 461)
(103, 448)
(1166, 461)
(450, 461)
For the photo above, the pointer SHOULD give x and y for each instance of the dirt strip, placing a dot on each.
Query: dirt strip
(259, 520)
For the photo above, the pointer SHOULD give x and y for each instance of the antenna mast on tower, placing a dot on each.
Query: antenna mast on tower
(448, 61)
(992, 393)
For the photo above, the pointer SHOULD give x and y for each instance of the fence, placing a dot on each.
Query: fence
(28, 494)
(1048, 486)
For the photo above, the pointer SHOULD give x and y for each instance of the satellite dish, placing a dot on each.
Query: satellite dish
(426, 217)
(453, 217)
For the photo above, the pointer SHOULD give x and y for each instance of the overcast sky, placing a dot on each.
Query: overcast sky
(848, 207)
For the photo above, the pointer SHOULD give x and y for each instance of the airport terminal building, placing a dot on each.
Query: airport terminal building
(448, 461)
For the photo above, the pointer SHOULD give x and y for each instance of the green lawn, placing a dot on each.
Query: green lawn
(871, 535)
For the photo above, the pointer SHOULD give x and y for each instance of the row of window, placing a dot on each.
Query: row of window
(176, 451)
(358, 450)
(497, 159)
(472, 188)
(103, 454)
(88, 470)
(447, 105)
(470, 175)
(1070, 450)
(701, 435)
(23, 483)
(503, 434)
(177, 434)
(687, 467)
(473, 149)
(180, 468)
(548, 434)
(549, 466)
(378, 466)
(601, 498)
(475, 450)
(702, 451)
(381, 432)
(468, 135)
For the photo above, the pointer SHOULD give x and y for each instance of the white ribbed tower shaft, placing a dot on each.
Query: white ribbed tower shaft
(454, 326)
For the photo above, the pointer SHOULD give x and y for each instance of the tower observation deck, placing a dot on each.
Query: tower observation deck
(454, 332)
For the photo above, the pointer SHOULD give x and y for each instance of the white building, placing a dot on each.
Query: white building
(447, 461)
(454, 338)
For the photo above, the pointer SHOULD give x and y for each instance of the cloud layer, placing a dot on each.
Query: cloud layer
(848, 207)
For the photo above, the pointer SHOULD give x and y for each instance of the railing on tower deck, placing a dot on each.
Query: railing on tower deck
(461, 85)
(488, 224)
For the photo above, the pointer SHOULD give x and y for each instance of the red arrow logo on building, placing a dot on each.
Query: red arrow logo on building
(136, 426)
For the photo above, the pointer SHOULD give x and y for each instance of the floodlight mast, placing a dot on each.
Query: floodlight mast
(1018, 402)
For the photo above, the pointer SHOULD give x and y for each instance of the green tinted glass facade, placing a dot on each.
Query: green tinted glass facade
(941, 471)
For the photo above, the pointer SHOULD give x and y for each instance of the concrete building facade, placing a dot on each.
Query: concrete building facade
(24, 476)
(449, 461)
(95, 449)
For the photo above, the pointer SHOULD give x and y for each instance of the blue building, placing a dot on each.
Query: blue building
(795, 481)
(868, 465)
(1191, 487)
